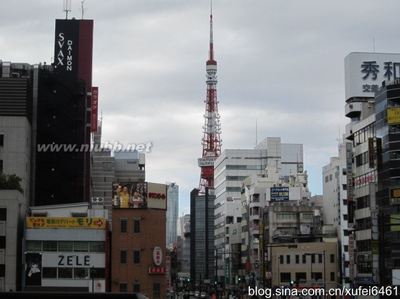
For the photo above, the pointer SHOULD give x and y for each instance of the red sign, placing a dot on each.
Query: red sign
(156, 270)
(157, 256)
(95, 108)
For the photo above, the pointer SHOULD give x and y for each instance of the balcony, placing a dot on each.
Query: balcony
(353, 109)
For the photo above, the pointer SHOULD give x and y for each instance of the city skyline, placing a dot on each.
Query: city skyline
(149, 64)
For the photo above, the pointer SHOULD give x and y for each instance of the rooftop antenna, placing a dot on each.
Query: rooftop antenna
(82, 8)
(67, 8)
(256, 132)
(373, 43)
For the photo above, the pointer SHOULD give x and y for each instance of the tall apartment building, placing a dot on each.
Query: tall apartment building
(335, 204)
(172, 213)
(232, 167)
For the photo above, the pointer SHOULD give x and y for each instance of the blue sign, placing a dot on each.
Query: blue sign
(279, 193)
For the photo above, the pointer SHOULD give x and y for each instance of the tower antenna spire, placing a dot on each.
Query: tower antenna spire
(67, 8)
(212, 129)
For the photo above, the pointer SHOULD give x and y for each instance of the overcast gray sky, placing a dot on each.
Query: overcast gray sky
(280, 62)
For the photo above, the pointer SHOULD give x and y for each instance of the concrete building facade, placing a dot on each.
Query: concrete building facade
(12, 213)
(231, 168)
(335, 204)
(66, 249)
(172, 213)
(138, 260)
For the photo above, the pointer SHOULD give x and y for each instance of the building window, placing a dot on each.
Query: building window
(2, 242)
(297, 259)
(288, 259)
(304, 260)
(332, 258)
(81, 273)
(345, 232)
(123, 225)
(301, 276)
(136, 226)
(1, 166)
(136, 257)
(67, 246)
(3, 214)
(346, 248)
(156, 291)
(345, 217)
(332, 276)
(49, 245)
(122, 257)
(285, 276)
(1, 139)
(96, 246)
(316, 276)
(97, 273)
(34, 245)
(123, 287)
(281, 259)
(2, 270)
(313, 258)
(136, 287)
(49, 272)
(64, 272)
(80, 246)
(320, 258)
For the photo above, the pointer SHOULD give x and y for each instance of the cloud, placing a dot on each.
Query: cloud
(279, 63)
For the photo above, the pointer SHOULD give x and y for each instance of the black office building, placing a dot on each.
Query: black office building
(202, 252)
(62, 153)
(387, 110)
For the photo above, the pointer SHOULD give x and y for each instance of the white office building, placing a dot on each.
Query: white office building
(172, 213)
(335, 204)
(232, 167)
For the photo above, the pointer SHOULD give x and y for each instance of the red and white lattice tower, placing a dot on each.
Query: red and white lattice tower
(212, 129)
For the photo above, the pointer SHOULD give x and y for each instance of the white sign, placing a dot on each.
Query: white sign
(73, 259)
(365, 72)
(64, 52)
(157, 256)
(208, 161)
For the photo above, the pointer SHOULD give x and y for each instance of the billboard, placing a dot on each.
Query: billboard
(395, 222)
(65, 222)
(157, 196)
(95, 108)
(393, 116)
(279, 193)
(130, 195)
(365, 72)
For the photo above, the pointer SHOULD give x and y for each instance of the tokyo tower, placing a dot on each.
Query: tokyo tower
(211, 141)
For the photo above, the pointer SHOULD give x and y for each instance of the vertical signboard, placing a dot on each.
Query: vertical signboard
(157, 196)
(33, 271)
(95, 103)
(66, 48)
